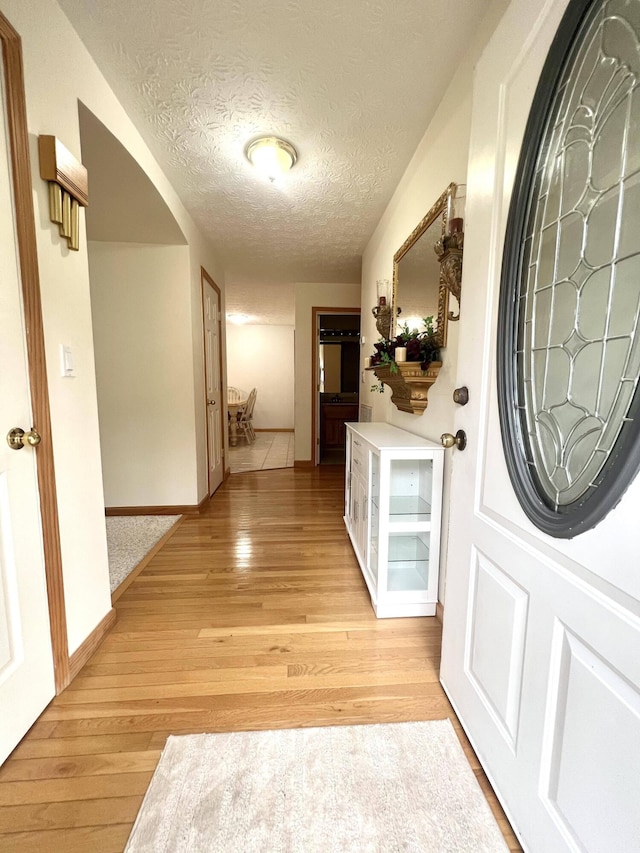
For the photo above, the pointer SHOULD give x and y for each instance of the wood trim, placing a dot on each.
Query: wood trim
(185, 509)
(89, 646)
(314, 368)
(27, 251)
(205, 277)
(133, 574)
(440, 612)
(227, 473)
(274, 429)
(58, 164)
(303, 463)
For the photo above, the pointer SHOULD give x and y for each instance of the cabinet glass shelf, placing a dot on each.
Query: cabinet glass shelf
(407, 577)
(408, 508)
(407, 548)
(408, 563)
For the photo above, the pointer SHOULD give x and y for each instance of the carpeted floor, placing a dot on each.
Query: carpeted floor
(130, 538)
(342, 789)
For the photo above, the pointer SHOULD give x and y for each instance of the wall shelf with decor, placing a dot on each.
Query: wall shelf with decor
(409, 385)
(393, 501)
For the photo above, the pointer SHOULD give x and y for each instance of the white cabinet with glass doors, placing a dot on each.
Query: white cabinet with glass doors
(393, 502)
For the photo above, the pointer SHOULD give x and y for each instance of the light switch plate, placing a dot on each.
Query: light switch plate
(67, 360)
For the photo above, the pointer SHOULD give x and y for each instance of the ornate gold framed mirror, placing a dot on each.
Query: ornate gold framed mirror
(427, 267)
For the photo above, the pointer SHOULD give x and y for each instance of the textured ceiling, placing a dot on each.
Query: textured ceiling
(351, 83)
(126, 206)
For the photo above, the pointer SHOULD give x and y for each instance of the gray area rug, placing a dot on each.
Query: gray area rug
(129, 540)
(344, 789)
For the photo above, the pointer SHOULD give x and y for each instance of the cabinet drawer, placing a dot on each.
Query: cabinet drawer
(358, 456)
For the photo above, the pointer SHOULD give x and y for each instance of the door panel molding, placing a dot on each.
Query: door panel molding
(570, 744)
(497, 615)
(27, 252)
(10, 635)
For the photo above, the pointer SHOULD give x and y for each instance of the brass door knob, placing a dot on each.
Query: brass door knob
(17, 438)
(458, 440)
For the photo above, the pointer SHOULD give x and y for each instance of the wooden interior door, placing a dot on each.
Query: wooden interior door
(26, 656)
(213, 380)
(541, 635)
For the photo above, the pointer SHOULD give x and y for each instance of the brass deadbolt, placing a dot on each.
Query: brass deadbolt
(461, 396)
(17, 438)
(458, 440)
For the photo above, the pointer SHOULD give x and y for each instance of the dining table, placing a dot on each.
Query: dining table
(236, 402)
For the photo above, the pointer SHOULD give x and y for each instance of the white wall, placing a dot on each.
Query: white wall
(261, 357)
(440, 159)
(142, 339)
(309, 296)
(58, 73)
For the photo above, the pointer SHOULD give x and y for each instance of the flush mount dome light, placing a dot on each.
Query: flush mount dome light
(271, 156)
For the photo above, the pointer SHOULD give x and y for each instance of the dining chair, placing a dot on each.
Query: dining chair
(245, 417)
(234, 395)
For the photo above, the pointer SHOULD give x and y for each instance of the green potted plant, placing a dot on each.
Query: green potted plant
(419, 365)
(420, 346)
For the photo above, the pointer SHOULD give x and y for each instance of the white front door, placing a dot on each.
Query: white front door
(212, 320)
(541, 644)
(26, 659)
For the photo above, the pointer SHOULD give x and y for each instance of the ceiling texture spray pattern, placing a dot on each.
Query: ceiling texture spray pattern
(351, 84)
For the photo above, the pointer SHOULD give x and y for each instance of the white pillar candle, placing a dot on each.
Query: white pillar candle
(401, 354)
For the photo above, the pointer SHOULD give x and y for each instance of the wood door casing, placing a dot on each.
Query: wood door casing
(214, 386)
(26, 240)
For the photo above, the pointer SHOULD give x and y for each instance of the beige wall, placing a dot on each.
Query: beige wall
(58, 73)
(309, 296)
(142, 338)
(440, 159)
(261, 357)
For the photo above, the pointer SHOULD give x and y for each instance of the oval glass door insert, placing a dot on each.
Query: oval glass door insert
(569, 345)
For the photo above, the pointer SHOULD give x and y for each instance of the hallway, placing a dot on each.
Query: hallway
(252, 616)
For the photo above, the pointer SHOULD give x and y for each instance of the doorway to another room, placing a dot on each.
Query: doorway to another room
(260, 365)
(337, 368)
(269, 450)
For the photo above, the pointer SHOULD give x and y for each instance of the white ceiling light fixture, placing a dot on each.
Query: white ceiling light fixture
(271, 155)
(238, 319)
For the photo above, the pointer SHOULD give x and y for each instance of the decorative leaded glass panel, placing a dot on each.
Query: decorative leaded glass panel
(570, 299)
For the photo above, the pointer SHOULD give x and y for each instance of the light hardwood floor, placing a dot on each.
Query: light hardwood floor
(253, 615)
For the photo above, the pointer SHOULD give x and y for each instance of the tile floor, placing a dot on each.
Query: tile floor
(269, 450)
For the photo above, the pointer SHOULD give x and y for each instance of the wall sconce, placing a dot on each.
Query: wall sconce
(449, 248)
(382, 311)
(68, 187)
